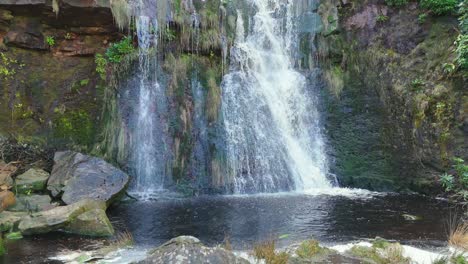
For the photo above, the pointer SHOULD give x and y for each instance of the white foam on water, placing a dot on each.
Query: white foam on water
(417, 255)
(332, 191)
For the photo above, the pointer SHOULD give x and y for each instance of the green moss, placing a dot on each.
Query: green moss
(14, 236)
(76, 126)
(309, 249)
(440, 7)
(383, 254)
(2, 246)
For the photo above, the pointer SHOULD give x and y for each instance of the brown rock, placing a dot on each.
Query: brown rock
(7, 199)
(6, 171)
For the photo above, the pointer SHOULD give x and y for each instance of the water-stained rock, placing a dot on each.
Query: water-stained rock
(86, 217)
(188, 249)
(32, 180)
(77, 176)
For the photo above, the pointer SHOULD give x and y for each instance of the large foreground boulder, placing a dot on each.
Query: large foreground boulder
(86, 217)
(187, 249)
(77, 176)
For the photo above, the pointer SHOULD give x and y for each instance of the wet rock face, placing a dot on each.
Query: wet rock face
(76, 176)
(187, 249)
(382, 122)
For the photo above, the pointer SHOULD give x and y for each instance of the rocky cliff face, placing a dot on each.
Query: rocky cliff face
(395, 114)
(50, 91)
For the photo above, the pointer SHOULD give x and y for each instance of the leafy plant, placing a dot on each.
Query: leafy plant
(68, 36)
(382, 18)
(440, 7)
(396, 3)
(50, 40)
(417, 84)
(169, 34)
(449, 68)
(101, 65)
(118, 50)
(7, 69)
(447, 181)
(462, 51)
(422, 18)
(456, 181)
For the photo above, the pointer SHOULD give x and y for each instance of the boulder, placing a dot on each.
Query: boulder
(91, 223)
(7, 199)
(86, 217)
(187, 249)
(32, 203)
(8, 220)
(6, 171)
(79, 176)
(32, 180)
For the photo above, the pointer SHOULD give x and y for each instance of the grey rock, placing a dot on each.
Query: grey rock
(187, 249)
(32, 203)
(86, 217)
(8, 220)
(79, 176)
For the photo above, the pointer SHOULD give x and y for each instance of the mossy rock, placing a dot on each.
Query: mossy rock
(33, 180)
(310, 249)
(381, 252)
(86, 217)
(9, 220)
(92, 223)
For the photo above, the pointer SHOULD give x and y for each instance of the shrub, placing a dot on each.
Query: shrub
(50, 41)
(459, 236)
(422, 18)
(396, 3)
(440, 7)
(309, 248)
(266, 251)
(456, 182)
(382, 18)
(118, 50)
(462, 51)
(101, 64)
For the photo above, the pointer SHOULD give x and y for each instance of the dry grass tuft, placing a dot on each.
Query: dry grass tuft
(266, 251)
(459, 235)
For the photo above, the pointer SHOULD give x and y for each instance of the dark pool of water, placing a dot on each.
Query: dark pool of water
(249, 219)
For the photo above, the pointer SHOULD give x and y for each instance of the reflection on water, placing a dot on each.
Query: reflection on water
(248, 219)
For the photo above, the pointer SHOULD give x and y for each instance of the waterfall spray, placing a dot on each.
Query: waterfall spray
(272, 131)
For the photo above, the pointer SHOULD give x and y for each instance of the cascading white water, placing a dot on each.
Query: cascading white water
(150, 146)
(272, 131)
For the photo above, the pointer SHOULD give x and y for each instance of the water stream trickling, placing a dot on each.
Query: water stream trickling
(273, 136)
(150, 142)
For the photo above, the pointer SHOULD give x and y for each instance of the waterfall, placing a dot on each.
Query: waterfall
(272, 131)
(150, 142)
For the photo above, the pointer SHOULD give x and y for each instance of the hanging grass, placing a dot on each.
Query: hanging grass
(121, 12)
